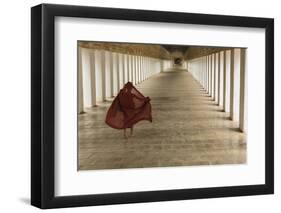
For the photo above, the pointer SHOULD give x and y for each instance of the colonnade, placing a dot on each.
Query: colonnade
(223, 76)
(102, 73)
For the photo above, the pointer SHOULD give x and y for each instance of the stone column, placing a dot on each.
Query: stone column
(224, 81)
(103, 83)
(215, 76)
(242, 88)
(202, 72)
(206, 73)
(231, 102)
(133, 69)
(149, 66)
(128, 68)
(137, 69)
(93, 78)
(208, 78)
(80, 82)
(145, 67)
(211, 75)
(120, 70)
(141, 69)
(111, 73)
(117, 71)
(219, 76)
(124, 69)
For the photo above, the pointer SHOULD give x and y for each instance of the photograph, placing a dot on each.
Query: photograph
(146, 105)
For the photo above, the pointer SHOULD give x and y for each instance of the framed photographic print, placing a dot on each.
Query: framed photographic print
(139, 106)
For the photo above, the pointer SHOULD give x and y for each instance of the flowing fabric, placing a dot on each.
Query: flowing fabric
(128, 108)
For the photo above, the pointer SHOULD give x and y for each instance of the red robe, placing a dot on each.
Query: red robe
(128, 108)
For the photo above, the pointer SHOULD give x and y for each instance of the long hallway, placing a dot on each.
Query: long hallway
(188, 128)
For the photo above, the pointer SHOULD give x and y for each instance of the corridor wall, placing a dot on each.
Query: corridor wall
(103, 73)
(213, 73)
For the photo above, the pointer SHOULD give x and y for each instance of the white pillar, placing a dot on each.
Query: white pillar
(128, 67)
(149, 64)
(242, 88)
(117, 71)
(120, 70)
(231, 102)
(111, 73)
(145, 68)
(93, 78)
(202, 72)
(123, 69)
(206, 73)
(103, 91)
(148, 67)
(132, 69)
(219, 76)
(141, 61)
(151, 70)
(208, 76)
(80, 82)
(139, 57)
(224, 81)
(137, 69)
(211, 74)
(215, 76)
(142, 69)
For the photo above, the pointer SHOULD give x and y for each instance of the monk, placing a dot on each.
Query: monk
(128, 108)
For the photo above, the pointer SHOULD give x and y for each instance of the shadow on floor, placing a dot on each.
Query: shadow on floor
(25, 200)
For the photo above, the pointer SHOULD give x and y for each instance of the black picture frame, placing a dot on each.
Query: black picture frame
(43, 102)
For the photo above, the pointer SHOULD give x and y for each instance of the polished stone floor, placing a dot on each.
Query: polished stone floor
(188, 129)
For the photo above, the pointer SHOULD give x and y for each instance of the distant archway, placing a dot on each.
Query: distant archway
(178, 61)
